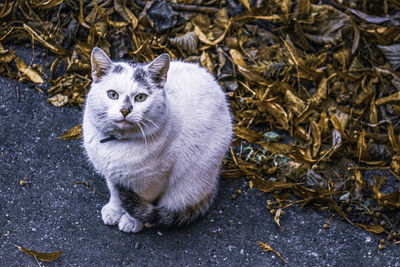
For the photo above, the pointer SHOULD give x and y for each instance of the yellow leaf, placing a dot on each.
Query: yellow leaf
(204, 38)
(277, 217)
(42, 256)
(245, 3)
(376, 229)
(247, 134)
(28, 72)
(206, 62)
(392, 98)
(73, 133)
(59, 100)
(265, 247)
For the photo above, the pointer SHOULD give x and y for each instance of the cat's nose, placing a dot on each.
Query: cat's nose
(125, 112)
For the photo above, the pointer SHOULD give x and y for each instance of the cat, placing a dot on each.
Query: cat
(158, 133)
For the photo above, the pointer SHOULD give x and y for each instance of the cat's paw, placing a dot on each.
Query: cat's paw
(111, 214)
(129, 224)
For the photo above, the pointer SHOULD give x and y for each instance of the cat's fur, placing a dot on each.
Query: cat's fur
(166, 171)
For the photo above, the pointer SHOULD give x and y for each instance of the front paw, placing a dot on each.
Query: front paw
(129, 224)
(111, 214)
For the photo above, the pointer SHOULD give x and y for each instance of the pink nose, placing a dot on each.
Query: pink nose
(125, 112)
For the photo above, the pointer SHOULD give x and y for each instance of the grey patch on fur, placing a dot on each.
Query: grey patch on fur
(139, 76)
(146, 212)
(118, 69)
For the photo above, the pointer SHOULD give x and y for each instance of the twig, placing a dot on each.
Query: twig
(87, 184)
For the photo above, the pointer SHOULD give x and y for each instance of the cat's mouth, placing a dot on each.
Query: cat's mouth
(125, 122)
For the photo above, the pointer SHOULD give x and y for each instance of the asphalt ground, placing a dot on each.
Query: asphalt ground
(50, 213)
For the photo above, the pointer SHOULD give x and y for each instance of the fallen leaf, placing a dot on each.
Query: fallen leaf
(27, 71)
(73, 133)
(265, 247)
(376, 229)
(42, 256)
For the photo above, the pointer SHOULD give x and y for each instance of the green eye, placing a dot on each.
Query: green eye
(140, 97)
(112, 94)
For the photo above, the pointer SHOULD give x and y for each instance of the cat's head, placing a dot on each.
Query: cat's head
(127, 98)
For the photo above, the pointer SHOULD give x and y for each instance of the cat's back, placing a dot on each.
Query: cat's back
(194, 93)
(200, 112)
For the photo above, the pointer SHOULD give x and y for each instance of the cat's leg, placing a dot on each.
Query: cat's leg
(111, 212)
(129, 224)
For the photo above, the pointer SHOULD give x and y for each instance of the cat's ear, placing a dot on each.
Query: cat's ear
(158, 69)
(101, 64)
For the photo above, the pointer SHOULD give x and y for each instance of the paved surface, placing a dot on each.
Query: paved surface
(49, 213)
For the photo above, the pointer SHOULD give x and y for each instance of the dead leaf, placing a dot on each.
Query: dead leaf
(277, 216)
(265, 247)
(28, 72)
(376, 229)
(73, 133)
(42, 256)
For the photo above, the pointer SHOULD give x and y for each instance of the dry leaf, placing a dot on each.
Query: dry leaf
(73, 133)
(42, 256)
(59, 100)
(28, 72)
(277, 216)
(265, 247)
(376, 229)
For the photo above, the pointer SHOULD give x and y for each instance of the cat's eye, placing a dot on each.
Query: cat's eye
(112, 94)
(140, 97)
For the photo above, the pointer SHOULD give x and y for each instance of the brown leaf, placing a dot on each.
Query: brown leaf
(6, 8)
(42, 256)
(277, 217)
(246, 134)
(52, 47)
(393, 139)
(265, 247)
(269, 186)
(362, 147)
(276, 111)
(376, 229)
(27, 71)
(294, 103)
(206, 62)
(316, 135)
(388, 99)
(202, 37)
(73, 133)
(245, 3)
(251, 76)
(58, 100)
(320, 94)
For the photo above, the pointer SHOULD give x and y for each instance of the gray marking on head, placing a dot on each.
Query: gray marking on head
(139, 76)
(118, 69)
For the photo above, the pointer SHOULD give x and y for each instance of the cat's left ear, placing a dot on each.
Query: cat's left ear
(101, 64)
(158, 69)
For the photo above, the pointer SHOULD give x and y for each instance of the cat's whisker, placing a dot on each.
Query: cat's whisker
(155, 125)
(149, 130)
(144, 135)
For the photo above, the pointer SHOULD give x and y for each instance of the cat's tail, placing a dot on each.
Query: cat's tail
(157, 215)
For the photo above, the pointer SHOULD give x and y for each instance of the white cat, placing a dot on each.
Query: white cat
(158, 133)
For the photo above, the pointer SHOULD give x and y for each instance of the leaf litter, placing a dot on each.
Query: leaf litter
(314, 88)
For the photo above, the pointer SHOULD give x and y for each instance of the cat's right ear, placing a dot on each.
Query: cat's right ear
(101, 64)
